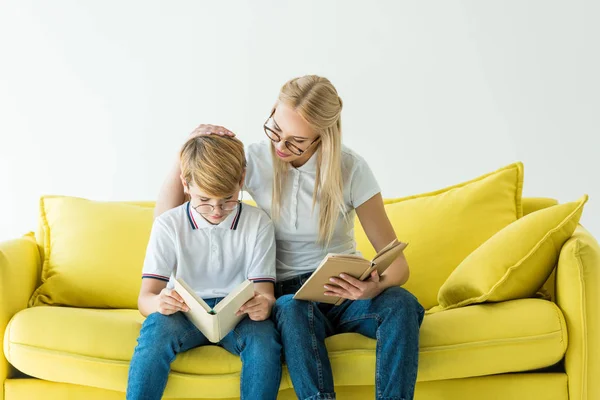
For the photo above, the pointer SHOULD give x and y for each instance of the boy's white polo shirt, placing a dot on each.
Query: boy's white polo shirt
(212, 259)
(297, 228)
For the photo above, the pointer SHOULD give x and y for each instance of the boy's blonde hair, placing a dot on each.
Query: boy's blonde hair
(215, 164)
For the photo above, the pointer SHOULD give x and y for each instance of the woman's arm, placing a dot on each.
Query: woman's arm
(171, 192)
(379, 230)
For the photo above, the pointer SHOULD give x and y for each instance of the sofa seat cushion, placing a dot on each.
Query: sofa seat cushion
(491, 338)
(93, 347)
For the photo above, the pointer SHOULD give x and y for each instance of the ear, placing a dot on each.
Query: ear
(185, 185)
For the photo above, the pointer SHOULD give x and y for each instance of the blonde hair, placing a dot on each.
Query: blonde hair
(215, 164)
(317, 101)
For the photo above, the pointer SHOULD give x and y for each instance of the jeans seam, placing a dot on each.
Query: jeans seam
(322, 396)
(377, 363)
(362, 317)
(313, 338)
(185, 336)
(238, 340)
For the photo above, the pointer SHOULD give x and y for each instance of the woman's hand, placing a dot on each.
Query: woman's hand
(351, 288)
(170, 302)
(258, 308)
(206, 129)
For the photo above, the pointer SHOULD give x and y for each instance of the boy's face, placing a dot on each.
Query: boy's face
(212, 209)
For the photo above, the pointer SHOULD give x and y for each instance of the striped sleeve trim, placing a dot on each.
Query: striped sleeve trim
(154, 276)
(265, 279)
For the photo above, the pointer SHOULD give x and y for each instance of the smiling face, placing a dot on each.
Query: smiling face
(290, 133)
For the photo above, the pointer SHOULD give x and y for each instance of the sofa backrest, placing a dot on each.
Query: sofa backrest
(77, 272)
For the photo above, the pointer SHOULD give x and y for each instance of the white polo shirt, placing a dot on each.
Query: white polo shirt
(297, 229)
(212, 259)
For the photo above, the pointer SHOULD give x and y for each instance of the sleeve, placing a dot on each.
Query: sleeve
(161, 254)
(363, 184)
(262, 266)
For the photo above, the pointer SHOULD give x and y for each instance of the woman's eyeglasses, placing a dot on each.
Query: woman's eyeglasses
(276, 138)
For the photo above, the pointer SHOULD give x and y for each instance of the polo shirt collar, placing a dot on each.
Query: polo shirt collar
(311, 165)
(197, 221)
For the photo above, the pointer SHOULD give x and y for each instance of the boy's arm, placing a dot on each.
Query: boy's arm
(262, 272)
(159, 265)
(155, 297)
(259, 307)
(267, 289)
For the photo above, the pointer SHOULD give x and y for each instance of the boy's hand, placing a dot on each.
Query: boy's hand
(205, 129)
(170, 302)
(258, 308)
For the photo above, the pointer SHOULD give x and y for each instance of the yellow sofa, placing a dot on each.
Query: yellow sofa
(530, 348)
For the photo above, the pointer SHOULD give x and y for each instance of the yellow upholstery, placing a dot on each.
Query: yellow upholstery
(515, 262)
(578, 296)
(104, 268)
(546, 386)
(19, 271)
(445, 226)
(531, 204)
(94, 347)
(506, 350)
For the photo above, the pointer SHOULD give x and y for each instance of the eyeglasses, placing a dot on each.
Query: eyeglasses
(276, 138)
(225, 206)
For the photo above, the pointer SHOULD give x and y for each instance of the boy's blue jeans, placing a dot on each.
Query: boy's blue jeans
(393, 318)
(163, 337)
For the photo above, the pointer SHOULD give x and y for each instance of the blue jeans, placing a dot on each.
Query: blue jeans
(163, 337)
(393, 318)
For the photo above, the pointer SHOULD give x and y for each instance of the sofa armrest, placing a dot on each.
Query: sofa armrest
(578, 296)
(20, 268)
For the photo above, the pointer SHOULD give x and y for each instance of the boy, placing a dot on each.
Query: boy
(214, 242)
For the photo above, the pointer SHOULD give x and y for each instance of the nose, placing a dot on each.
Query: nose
(281, 147)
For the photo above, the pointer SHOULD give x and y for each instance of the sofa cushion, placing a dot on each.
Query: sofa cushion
(445, 226)
(93, 348)
(93, 252)
(532, 204)
(515, 262)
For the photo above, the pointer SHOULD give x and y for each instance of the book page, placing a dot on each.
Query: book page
(226, 309)
(199, 312)
(388, 247)
(385, 259)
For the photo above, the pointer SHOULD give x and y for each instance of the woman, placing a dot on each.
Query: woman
(311, 186)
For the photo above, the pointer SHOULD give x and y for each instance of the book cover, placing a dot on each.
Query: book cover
(356, 266)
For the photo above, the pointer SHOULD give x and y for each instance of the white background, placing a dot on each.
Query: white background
(96, 97)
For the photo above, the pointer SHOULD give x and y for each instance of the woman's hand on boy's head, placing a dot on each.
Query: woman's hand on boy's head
(258, 308)
(170, 302)
(351, 288)
(206, 129)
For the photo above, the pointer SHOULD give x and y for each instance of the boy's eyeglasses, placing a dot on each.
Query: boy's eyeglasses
(276, 138)
(226, 206)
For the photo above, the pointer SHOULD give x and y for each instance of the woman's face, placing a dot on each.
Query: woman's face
(291, 127)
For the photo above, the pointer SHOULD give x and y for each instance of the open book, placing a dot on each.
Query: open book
(353, 265)
(215, 323)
